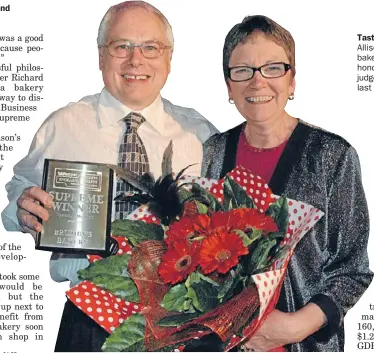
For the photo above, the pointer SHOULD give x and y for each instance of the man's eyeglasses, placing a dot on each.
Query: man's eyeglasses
(244, 73)
(123, 48)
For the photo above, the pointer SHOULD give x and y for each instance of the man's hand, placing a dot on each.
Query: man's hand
(281, 328)
(29, 209)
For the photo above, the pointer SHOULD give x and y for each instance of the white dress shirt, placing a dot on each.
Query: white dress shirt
(91, 131)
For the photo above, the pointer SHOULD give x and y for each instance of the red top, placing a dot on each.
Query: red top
(261, 161)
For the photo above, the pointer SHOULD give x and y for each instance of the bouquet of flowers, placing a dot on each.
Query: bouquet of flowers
(198, 259)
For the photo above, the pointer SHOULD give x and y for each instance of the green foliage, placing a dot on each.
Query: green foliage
(198, 294)
(229, 287)
(174, 299)
(112, 265)
(187, 196)
(279, 212)
(184, 194)
(129, 337)
(235, 196)
(194, 300)
(197, 277)
(250, 237)
(178, 319)
(200, 194)
(259, 256)
(201, 208)
(206, 294)
(121, 287)
(111, 274)
(137, 231)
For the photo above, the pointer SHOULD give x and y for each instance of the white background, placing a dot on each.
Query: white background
(325, 33)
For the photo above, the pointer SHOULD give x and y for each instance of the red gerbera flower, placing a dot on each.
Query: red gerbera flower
(221, 219)
(202, 223)
(244, 218)
(188, 227)
(190, 209)
(180, 230)
(179, 261)
(221, 252)
(199, 226)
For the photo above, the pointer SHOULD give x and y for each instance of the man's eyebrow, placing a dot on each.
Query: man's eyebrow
(153, 39)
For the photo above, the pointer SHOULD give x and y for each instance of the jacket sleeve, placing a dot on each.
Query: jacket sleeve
(346, 274)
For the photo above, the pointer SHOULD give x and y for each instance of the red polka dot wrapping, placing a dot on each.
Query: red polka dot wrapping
(103, 307)
(109, 312)
(254, 185)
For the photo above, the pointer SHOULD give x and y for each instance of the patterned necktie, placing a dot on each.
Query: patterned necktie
(132, 156)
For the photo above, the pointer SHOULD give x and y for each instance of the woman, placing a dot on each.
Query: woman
(329, 270)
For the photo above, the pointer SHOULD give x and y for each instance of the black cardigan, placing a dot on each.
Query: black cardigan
(330, 265)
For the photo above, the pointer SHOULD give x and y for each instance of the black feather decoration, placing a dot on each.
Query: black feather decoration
(143, 183)
(161, 196)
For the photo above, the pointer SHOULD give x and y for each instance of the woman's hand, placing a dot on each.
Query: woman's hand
(281, 328)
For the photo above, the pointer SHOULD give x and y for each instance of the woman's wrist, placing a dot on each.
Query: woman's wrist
(306, 321)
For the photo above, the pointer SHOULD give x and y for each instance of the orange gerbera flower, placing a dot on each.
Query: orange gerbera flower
(179, 261)
(221, 252)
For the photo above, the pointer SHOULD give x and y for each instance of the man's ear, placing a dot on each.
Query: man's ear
(169, 62)
(171, 53)
(101, 58)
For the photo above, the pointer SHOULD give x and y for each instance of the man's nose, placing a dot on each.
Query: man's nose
(136, 57)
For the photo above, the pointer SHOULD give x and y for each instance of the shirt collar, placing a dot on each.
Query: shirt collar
(110, 111)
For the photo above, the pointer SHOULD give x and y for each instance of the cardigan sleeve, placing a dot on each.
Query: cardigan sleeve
(346, 274)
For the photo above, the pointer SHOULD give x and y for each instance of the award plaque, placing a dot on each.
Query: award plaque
(80, 219)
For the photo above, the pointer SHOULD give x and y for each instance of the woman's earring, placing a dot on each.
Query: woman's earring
(231, 101)
(291, 97)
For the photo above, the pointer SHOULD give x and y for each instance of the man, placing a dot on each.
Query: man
(135, 43)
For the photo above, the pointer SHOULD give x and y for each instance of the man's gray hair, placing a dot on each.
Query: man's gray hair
(105, 22)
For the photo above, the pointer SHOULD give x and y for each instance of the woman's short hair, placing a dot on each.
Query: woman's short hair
(254, 25)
